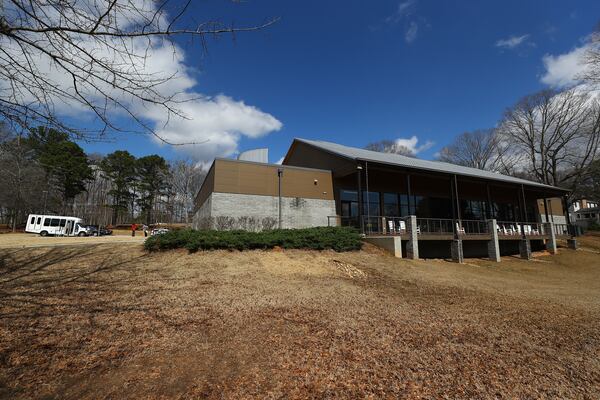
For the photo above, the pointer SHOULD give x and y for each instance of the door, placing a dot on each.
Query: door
(349, 213)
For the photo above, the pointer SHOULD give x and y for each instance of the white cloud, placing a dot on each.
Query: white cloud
(512, 42)
(411, 32)
(404, 9)
(412, 144)
(216, 125)
(562, 70)
(217, 122)
(405, 13)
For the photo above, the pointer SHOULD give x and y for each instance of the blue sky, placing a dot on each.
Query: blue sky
(356, 71)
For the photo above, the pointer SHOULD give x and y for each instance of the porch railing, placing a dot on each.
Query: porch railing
(472, 227)
(512, 228)
(434, 226)
(440, 226)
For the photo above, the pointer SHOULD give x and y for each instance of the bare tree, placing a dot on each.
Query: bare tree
(187, 178)
(557, 133)
(91, 55)
(20, 178)
(483, 149)
(591, 59)
(390, 146)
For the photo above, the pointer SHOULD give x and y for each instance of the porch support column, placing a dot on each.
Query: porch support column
(361, 223)
(551, 237)
(412, 246)
(493, 244)
(524, 245)
(409, 194)
(489, 202)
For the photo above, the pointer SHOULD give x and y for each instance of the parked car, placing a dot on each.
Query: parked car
(95, 230)
(158, 231)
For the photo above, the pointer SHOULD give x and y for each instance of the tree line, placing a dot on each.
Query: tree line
(44, 171)
(551, 137)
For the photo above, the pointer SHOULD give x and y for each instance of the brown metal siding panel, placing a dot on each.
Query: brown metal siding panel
(304, 155)
(261, 179)
(206, 189)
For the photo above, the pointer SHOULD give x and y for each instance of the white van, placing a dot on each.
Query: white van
(55, 225)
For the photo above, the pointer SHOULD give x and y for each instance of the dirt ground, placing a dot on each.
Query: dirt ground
(15, 240)
(104, 321)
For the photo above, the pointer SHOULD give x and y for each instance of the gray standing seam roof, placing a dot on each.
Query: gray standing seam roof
(409, 162)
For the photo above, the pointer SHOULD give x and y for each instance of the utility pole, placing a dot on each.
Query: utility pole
(279, 175)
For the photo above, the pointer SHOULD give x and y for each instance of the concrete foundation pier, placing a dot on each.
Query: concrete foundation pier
(412, 246)
(391, 243)
(551, 237)
(493, 245)
(456, 249)
(525, 249)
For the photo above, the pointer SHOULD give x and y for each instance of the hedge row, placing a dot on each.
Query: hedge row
(336, 238)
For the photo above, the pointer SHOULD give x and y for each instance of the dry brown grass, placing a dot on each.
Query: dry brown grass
(106, 321)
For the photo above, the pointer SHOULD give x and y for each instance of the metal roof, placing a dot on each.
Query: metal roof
(357, 154)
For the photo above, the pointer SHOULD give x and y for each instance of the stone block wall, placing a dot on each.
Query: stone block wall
(296, 212)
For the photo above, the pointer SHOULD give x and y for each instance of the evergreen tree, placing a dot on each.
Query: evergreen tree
(64, 161)
(120, 168)
(153, 182)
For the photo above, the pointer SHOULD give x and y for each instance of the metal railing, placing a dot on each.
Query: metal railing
(472, 227)
(435, 226)
(383, 225)
(512, 228)
(562, 230)
(338, 220)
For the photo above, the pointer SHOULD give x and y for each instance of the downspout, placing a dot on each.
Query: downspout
(359, 195)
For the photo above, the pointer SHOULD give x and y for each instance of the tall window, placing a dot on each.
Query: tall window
(391, 206)
(371, 203)
(349, 203)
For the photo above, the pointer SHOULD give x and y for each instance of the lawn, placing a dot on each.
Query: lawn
(111, 320)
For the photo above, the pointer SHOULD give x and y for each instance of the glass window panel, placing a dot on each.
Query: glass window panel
(348, 195)
(390, 205)
(371, 203)
(46, 221)
(54, 222)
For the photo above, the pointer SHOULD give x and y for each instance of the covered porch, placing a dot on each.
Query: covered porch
(442, 208)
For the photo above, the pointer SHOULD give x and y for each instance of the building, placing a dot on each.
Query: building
(586, 216)
(399, 195)
(247, 195)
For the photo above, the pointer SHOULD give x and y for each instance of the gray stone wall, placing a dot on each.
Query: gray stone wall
(296, 212)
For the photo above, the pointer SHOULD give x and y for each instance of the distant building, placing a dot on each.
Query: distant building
(583, 212)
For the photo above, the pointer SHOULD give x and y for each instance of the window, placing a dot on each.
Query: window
(371, 203)
(46, 221)
(39, 220)
(63, 222)
(32, 220)
(348, 195)
(404, 211)
(54, 222)
(390, 205)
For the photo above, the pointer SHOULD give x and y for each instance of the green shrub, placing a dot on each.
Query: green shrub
(336, 238)
(593, 226)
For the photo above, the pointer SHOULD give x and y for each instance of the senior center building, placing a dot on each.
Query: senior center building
(321, 183)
